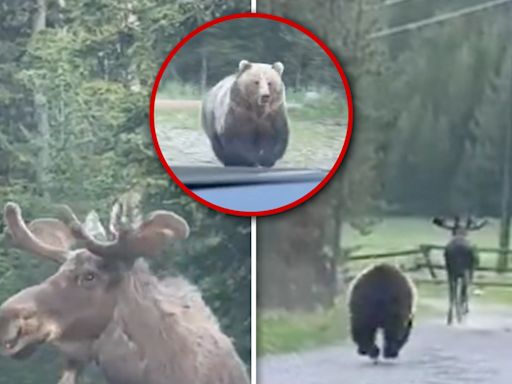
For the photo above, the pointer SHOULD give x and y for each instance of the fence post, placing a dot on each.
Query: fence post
(425, 251)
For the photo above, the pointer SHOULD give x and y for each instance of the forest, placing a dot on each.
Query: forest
(215, 53)
(432, 131)
(75, 81)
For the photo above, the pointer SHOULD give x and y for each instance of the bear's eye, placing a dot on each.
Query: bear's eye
(269, 83)
(257, 82)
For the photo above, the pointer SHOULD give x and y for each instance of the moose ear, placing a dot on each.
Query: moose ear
(243, 66)
(278, 67)
(161, 227)
(53, 233)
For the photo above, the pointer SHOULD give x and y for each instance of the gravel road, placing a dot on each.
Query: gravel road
(190, 147)
(479, 352)
(312, 145)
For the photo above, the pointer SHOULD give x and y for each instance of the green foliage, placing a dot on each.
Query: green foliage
(430, 103)
(73, 129)
(216, 52)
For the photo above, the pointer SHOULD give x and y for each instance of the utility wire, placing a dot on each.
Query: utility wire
(375, 7)
(436, 19)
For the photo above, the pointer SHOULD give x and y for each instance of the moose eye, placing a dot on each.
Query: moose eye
(86, 278)
(89, 276)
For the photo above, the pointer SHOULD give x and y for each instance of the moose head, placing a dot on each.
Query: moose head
(104, 306)
(73, 308)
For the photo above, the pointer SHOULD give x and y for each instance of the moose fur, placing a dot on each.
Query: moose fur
(381, 298)
(104, 306)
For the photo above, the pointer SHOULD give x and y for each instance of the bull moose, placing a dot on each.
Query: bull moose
(460, 262)
(103, 305)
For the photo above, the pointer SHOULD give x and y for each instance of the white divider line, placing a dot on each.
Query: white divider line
(254, 377)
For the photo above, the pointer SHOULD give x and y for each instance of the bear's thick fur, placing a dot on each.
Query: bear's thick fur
(245, 118)
(381, 297)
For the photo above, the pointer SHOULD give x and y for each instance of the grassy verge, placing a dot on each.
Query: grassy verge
(179, 90)
(326, 109)
(182, 119)
(293, 332)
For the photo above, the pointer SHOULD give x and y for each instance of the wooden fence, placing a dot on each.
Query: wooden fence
(424, 252)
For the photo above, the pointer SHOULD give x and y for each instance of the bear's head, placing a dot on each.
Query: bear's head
(260, 84)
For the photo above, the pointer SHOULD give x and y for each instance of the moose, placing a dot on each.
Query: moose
(460, 262)
(104, 306)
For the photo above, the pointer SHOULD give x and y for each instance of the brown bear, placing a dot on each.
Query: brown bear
(381, 298)
(245, 118)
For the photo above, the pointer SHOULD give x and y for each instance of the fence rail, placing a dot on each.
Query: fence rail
(425, 251)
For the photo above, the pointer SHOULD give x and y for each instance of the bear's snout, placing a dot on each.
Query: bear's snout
(264, 99)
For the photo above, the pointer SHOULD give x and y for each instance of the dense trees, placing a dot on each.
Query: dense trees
(216, 52)
(74, 90)
(431, 111)
(428, 89)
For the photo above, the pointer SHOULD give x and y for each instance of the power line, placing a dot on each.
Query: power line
(436, 19)
(386, 3)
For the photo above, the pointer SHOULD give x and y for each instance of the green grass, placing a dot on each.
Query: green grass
(395, 233)
(179, 90)
(290, 332)
(183, 119)
(401, 233)
(329, 107)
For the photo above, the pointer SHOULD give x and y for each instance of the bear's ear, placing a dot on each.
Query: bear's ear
(278, 67)
(243, 65)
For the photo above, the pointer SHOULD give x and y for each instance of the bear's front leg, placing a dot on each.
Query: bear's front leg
(239, 153)
(274, 142)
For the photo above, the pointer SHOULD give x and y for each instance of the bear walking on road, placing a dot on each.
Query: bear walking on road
(381, 298)
(244, 116)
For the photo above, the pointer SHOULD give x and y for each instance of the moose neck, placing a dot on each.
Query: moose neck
(147, 340)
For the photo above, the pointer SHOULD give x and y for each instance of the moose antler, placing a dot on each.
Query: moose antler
(457, 225)
(471, 225)
(442, 222)
(148, 238)
(52, 247)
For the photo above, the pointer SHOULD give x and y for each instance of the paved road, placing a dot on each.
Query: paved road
(479, 352)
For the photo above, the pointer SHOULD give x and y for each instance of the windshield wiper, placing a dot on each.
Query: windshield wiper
(208, 176)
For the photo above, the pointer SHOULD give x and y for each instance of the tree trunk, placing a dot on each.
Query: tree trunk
(504, 240)
(204, 71)
(298, 78)
(295, 267)
(41, 110)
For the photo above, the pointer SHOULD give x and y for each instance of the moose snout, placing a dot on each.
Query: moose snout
(10, 330)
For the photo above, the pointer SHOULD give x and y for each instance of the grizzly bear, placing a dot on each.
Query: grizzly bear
(245, 118)
(381, 298)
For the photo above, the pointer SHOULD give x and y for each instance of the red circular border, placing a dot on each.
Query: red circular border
(241, 16)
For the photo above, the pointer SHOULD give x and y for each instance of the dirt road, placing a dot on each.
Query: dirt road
(479, 352)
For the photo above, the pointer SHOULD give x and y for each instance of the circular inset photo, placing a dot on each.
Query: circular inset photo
(251, 114)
